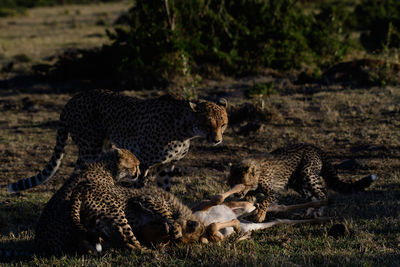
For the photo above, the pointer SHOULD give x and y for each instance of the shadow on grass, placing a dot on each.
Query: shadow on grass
(79, 70)
(372, 204)
(21, 250)
(18, 214)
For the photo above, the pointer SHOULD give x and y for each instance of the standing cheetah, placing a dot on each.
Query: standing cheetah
(302, 167)
(158, 131)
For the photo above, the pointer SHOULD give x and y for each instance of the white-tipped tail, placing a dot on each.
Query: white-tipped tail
(98, 247)
(373, 177)
(50, 169)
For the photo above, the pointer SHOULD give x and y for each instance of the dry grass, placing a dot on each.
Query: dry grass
(347, 124)
(46, 32)
(361, 124)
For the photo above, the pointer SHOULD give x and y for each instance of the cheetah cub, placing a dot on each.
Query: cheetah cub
(56, 232)
(302, 167)
(126, 217)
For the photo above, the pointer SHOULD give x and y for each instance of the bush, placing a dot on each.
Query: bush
(167, 37)
(379, 20)
(9, 12)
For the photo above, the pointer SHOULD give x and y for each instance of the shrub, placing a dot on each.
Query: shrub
(329, 38)
(373, 18)
(162, 37)
(9, 12)
(260, 90)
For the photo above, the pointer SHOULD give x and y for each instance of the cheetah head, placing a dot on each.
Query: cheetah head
(211, 120)
(246, 173)
(128, 164)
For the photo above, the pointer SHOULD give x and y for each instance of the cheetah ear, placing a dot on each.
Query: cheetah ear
(223, 102)
(127, 161)
(193, 106)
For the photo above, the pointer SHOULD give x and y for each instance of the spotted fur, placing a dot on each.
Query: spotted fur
(125, 217)
(302, 167)
(158, 131)
(55, 232)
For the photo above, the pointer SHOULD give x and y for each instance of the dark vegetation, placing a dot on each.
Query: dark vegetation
(157, 41)
(242, 37)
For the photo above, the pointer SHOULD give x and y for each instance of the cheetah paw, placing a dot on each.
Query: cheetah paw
(259, 215)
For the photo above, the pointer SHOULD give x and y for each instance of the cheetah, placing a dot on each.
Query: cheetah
(55, 232)
(302, 167)
(158, 131)
(127, 217)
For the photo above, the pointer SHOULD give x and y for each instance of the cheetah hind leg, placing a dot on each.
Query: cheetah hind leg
(313, 186)
(318, 193)
(163, 176)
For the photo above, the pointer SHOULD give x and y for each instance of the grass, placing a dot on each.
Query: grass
(47, 31)
(348, 123)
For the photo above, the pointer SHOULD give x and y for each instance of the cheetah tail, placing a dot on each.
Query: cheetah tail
(333, 182)
(50, 169)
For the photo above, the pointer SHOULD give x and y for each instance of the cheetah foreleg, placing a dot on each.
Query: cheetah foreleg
(117, 230)
(261, 208)
(91, 242)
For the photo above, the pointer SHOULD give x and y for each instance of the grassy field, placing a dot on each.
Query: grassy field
(347, 122)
